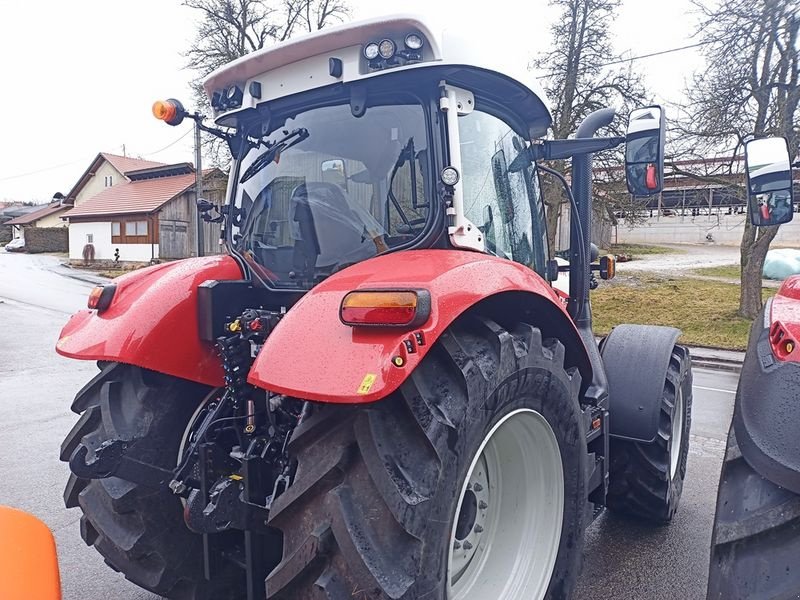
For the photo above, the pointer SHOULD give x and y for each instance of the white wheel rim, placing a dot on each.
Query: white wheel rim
(506, 533)
(677, 433)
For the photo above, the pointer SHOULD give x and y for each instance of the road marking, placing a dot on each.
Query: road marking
(710, 389)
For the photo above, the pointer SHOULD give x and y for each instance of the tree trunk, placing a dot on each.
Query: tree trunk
(755, 244)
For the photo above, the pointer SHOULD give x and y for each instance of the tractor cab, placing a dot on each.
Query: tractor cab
(387, 142)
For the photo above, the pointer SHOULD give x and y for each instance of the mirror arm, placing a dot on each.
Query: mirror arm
(557, 149)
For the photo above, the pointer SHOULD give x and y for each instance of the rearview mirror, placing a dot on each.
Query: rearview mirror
(333, 171)
(644, 151)
(769, 181)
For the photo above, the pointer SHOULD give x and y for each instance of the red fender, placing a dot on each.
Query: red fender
(785, 320)
(152, 321)
(311, 354)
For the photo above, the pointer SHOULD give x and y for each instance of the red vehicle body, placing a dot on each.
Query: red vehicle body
(784, 320)
(152, 321)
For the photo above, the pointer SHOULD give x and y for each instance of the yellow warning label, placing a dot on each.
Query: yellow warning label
(366, 384)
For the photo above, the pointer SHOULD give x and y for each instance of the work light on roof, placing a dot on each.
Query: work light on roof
(413, 41)
(371, 51)
(387, 49)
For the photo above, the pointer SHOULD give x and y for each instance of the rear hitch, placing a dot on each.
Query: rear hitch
(110, 460)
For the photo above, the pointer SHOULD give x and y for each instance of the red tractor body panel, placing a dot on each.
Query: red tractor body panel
(314, 356)
(785, 321)
(152, 321)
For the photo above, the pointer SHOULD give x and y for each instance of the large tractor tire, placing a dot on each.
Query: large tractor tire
(465, 484)
(646, 479)
(139, 530)
(755, 548)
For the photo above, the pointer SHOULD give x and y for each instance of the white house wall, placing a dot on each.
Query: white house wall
(103, 248)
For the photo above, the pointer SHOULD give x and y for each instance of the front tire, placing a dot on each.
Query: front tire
(385, 497)
(140, 531)
(646, 479)
(755, 548)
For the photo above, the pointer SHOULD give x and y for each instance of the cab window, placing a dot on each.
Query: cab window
(506, 206)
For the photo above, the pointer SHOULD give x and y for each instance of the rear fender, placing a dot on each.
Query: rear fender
(312, 355)
(767, 408)
(152, 321)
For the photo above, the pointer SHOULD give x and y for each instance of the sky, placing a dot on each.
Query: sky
(80, 77)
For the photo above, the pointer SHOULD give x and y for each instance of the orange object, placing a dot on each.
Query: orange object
(379, 308)
(28, 561)
(164, 110)
(651, 179)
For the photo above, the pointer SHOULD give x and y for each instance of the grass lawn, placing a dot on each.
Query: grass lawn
(634, 250)
(704, 310)
(730, 271)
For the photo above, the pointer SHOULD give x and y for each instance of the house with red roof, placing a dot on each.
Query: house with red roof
(48, 215)
(143, 210)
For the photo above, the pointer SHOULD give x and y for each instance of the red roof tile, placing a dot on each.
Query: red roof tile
(123, 164)
(120, 163)
(36, 215)
(144, 196)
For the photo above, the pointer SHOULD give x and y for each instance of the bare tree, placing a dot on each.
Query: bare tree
(230, 29)
(578, 81)
(749, 88)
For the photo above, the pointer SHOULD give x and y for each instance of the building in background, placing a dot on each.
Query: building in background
(147, 214)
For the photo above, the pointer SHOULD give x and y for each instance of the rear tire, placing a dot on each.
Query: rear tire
(140, 531)
(375, 502)
(755, 548)
(646, 479)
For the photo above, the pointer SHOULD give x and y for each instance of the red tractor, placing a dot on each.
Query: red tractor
(755, 551)
(377, 392)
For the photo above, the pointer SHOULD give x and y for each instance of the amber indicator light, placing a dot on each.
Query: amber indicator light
(386, 308)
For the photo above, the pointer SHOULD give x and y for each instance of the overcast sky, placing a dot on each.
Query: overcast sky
(79, 77)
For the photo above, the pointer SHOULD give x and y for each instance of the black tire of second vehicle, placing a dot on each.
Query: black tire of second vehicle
(370, 512)
(140, 531)
(640, 481)
(755, 547)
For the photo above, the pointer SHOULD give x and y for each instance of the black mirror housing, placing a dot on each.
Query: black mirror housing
(644, 151)
(768, 172)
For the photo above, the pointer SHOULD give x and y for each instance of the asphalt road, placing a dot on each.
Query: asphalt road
(624, 559)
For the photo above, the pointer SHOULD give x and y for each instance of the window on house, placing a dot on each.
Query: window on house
(131, 232)
(90, 238)
(107, 181)
(135, 228)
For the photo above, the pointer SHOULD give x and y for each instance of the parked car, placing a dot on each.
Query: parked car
(15, 245)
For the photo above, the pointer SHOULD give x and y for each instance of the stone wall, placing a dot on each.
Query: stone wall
(46, 239)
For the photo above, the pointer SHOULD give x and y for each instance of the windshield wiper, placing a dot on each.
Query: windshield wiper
(287, 141)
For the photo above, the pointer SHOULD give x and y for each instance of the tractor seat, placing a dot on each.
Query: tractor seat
(323, 214)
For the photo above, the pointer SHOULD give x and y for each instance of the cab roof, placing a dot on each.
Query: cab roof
(302, 64)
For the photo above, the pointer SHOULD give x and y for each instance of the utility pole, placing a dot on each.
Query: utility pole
(198, 184)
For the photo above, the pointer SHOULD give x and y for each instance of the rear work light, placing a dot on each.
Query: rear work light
(386, 308)
(101, 296)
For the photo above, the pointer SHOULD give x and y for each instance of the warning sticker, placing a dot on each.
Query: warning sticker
(366, 384)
